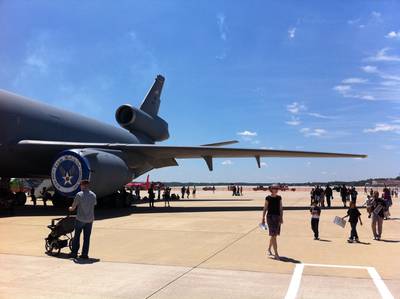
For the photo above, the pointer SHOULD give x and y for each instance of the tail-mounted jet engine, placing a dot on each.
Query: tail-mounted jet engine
(136, 120)
(106, 171)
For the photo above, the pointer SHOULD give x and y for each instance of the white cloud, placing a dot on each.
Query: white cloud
(342, 88)
(377, 16)
(370, 69)
(227, 162)
(37, 62)
(354, 81)
(307, 132)
(292, 32)
(388, 147)
(295, 121)
(296, 108)
(347, 92)
(383, 127)
(222, 26)
(393, 35)
(247, 134)
(354, 21)
(382, 55)
(318, 115)
(263, 164)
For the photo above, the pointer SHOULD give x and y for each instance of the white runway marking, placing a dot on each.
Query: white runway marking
(382, 288)
(335, 266)
(295, 282)
(298, 272)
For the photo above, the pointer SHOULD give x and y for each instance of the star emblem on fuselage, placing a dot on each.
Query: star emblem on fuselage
(67, 178)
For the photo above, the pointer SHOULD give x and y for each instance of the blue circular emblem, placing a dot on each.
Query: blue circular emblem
(67, 171)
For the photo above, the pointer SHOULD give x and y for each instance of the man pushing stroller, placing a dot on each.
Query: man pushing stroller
(84, 202)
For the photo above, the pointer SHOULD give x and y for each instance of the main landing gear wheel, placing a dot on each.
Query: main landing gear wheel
(60, 201)
(20, 199)
(70, 242)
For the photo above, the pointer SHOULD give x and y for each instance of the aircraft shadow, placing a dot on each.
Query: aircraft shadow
(142, 208)
(213, 200)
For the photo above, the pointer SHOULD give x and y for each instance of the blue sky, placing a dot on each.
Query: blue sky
(309, 75)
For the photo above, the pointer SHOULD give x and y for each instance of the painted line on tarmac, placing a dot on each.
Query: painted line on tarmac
(336, 266)
(381, 286)
(295, 282)
(202, 262)
(298, 272)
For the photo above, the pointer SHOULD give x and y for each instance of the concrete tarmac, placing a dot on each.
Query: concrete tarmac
(208, 247)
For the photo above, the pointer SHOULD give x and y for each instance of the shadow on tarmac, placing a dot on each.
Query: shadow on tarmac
(65, 256)
(286, 259)
(104, 213)
(389, 241)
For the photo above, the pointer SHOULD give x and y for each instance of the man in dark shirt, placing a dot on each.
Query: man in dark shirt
(378, 208)
(354, 215)
(315, 211)
(353, 194)
(343, 194)
(328, 195)
(152, 195)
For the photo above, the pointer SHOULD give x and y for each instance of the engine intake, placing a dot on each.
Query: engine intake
(134, 119)
(106, 171)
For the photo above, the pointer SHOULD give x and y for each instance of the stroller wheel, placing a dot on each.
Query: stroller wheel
(48, 247)
(70, 243)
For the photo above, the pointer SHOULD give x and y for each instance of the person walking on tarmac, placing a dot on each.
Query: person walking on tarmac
(33, 197)
(84, 202)
(152, 195)
(183, 192)
(328, 195)
(274, 211)
(343, 195)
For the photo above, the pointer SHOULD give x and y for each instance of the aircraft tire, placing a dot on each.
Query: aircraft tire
(60, 201)
(119, 200)
(20, 199)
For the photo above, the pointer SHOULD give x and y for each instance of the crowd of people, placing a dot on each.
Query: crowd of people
(377, 206)
(185, 191)
(236, 190)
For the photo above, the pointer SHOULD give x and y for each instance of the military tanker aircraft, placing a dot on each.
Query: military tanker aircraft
(41, 141)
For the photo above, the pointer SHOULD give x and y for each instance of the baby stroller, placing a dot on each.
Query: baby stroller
(61, 234)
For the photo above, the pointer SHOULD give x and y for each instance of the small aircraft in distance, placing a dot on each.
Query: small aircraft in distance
(282, 187)
(145, 185)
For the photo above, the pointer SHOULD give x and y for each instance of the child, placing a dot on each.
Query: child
(315, 212)
(354, 215)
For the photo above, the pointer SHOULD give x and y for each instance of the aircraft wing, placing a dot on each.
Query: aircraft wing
(163, 152)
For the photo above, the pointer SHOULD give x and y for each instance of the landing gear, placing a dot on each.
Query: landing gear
(118, 200)
(61, 201)
(7, 198)
(20, 199)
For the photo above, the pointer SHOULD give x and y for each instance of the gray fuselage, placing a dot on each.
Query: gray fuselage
(25, 119)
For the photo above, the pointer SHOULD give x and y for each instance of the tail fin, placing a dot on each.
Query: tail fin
(151, 102)
(148, 182)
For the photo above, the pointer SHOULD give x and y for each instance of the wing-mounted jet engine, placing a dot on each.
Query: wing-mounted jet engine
(105, 169)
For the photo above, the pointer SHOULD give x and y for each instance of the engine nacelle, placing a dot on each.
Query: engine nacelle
(134, 119)
(106, 171)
